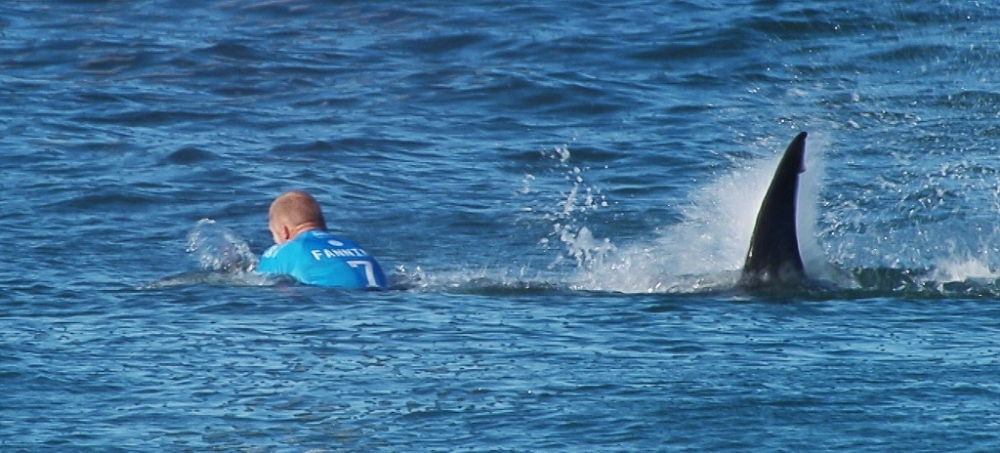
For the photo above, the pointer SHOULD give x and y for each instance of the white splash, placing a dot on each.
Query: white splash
(569, 217)
(952, 270)
(217, 248)
(706, 249)
(223, 259)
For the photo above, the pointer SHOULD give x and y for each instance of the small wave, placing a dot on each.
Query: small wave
(109, 198)
(217, 277)
(188, 156)
(234, 50)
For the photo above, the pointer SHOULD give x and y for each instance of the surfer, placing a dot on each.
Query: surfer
(305, 250)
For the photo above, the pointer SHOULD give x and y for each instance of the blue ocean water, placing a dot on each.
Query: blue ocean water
(562, 192)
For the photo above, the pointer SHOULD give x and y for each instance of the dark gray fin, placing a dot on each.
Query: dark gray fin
(773, 257)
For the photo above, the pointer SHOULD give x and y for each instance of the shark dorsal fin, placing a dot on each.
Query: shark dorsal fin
(773, 256)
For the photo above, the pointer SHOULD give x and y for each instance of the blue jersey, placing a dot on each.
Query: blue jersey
(317, 257)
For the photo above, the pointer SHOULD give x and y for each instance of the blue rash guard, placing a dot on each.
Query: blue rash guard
(317, 257)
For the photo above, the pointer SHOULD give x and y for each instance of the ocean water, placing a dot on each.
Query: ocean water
(562, 193)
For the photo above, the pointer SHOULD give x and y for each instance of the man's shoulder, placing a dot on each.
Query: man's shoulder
(271, 251)
(275, 260)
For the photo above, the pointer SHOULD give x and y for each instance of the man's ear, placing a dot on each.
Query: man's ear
(285, 232)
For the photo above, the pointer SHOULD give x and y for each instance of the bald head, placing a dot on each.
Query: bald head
(292, 213)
